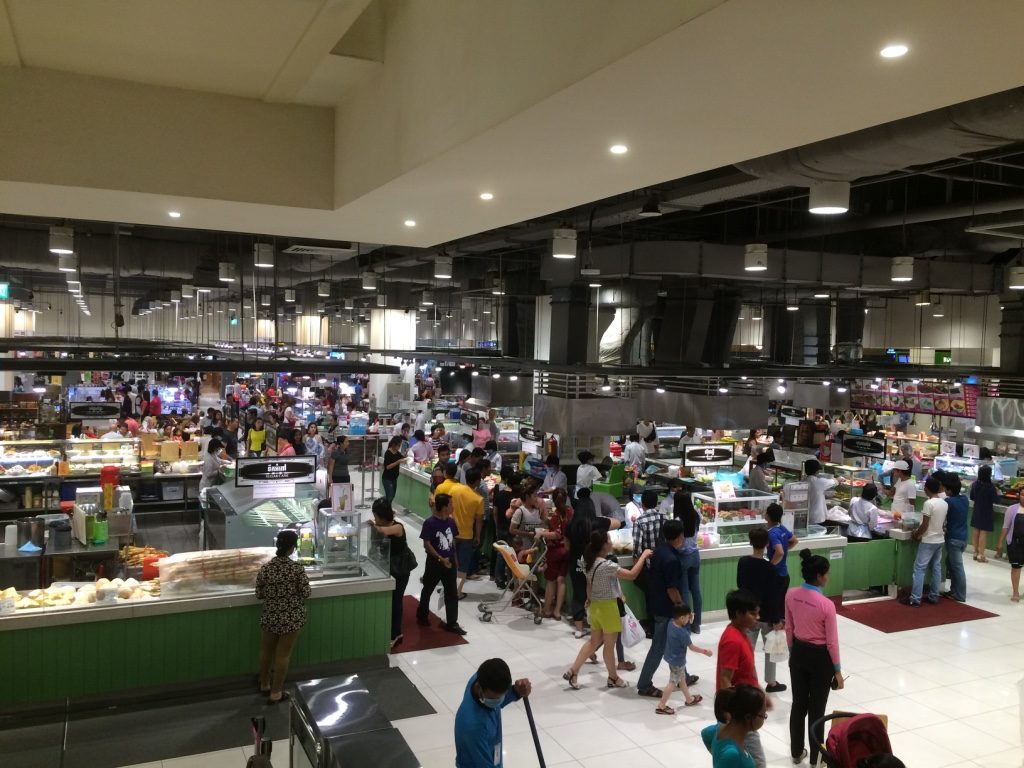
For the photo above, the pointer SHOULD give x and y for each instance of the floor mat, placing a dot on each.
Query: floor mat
(891, 616)
(417, 638)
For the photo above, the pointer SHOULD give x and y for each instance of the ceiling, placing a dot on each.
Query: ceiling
(416, 108)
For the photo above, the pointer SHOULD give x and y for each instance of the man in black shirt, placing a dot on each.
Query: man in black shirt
(664, 583)
(229, 435)
(757, 575)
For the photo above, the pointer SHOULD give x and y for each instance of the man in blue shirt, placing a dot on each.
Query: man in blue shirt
(780, 541)
(478, 721)
(664, 584)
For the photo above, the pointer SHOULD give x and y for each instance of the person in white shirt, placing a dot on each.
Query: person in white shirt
(930, 536)
(633, 454)
(863, 514)
(554, 477)
(903, 491)
(668, 504)
(421, 420)
(648, 434)
(114, 432)
(587, 473)
(818, 487)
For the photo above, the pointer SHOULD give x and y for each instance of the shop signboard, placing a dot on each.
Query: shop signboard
(709, 455)
(87, 410)
(947, 448)
(933, 398)
(789, 414)
(863, 446)
(275, 470)
(943, 357)
(531, 440)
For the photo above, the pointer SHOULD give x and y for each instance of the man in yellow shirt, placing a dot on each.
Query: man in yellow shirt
(468, 512)
(449, 483)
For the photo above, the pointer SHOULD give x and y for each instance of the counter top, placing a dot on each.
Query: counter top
(738, 550)
(51, 617)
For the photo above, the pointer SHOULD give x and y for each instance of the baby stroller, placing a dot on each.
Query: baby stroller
(851, 738)
(521, 583)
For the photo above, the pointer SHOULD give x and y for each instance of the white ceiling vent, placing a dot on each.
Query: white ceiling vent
(319, 250)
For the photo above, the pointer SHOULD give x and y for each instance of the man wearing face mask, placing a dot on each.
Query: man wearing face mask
(478, 721)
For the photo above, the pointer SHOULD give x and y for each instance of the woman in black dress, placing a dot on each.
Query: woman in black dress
(984, 496)
(384, 524)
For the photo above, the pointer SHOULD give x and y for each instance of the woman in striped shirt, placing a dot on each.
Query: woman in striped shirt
(813, 652)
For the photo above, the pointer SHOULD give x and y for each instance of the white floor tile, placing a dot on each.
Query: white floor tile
(633, 758)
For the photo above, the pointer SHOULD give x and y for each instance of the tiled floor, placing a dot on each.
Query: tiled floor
(951, 693)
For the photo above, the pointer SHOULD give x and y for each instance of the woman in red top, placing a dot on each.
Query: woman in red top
(557, 554)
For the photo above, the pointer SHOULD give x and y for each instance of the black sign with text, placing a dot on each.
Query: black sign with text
(527, 432)
(710, 455)
(94, 411)
(279, 469)
(863, 446)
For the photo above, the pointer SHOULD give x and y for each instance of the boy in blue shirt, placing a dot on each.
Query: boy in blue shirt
(478, 721)
(676, 644)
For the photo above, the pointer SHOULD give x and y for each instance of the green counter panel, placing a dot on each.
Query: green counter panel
(107, 657)
(869, 563)
(718, 578)
(412, 495)
(906, 553)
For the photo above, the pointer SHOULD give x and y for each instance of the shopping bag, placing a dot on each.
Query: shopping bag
(775, 646)
(632, 632)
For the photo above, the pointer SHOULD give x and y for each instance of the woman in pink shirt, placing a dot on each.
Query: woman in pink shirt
(481, 434)
(813, 652)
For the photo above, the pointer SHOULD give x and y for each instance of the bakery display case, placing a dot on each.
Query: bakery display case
(86, 457)
(849, 479)
(29, 459)
(235, 519)
(727, 516)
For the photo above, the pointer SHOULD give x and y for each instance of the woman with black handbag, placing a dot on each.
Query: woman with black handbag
(402, 562)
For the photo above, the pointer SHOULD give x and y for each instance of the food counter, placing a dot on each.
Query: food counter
(197, 621)
(413, 490)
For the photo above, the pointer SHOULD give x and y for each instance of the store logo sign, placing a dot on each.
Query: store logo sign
(271, 471)
(863, 446)
(711, 455)
(94, 410)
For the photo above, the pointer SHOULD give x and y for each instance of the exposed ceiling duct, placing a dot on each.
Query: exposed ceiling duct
(962, 129)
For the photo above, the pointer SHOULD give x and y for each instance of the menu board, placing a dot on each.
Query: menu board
(941, 399)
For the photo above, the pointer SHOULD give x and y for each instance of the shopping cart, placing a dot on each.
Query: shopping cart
(521, 582)
(851, 738)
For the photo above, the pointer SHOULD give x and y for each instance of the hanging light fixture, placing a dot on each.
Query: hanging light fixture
(62, 240)
(175, 297)
(443, 267)
(651, 208)
(829, 198)
(188, 291)
(923, 299)
(227, 272)
(427, 299)
(1015, 278)
(606, 385)
(263, 256)
(369, 281)
(264, 299)
(902, 269)
(382, 301)
(660, 388)
(755, 257)
(563, 244)
(323, 288)
(67, 262)
(498, 287)
(938, 310)
(289, 295)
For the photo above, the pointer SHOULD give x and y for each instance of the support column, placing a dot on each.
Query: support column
(816, 320)
(568, 344)
(389, 329)
(780, 329)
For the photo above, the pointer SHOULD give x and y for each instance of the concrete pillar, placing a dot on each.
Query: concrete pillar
(389, 329)
(568, 325)
(542, 328)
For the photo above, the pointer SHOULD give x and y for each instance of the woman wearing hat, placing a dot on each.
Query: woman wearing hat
(283, 587)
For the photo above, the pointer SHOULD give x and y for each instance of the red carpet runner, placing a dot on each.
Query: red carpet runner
(890, 616)
(417, 638)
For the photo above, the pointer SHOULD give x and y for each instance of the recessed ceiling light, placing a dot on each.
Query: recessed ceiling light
(174, 214)
(410, 223)
(894, 51)
(821, 296)
(486, 196)
(618, 149)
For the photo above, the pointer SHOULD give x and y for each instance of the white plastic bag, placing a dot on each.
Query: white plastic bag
(775, 646)
(632, 632)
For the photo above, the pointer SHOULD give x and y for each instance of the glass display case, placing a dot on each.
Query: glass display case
(235, 519)
(29, 459)
(87, 457)
(337, 542)
(727, 518)
(850, 479)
